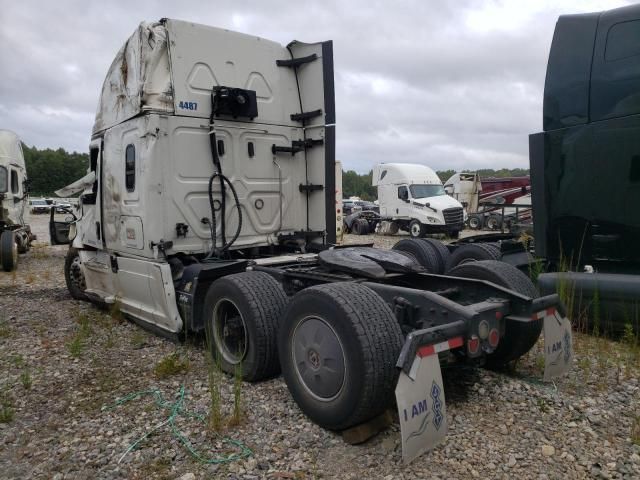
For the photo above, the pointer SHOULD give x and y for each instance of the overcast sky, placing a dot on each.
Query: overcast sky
(451, 84)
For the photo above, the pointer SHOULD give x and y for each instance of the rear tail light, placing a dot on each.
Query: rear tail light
(494, 337)
(473, 345)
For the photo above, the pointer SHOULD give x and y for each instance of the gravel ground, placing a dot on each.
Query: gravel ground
(62, 361)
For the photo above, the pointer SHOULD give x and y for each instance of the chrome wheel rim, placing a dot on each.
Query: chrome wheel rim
(229, 331)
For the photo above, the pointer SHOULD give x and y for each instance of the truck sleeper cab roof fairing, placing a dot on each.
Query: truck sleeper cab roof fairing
(157, 70)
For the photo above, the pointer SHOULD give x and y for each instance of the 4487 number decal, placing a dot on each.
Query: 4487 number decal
(188, 105)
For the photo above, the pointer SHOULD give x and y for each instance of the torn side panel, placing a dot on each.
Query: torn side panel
(138, 80)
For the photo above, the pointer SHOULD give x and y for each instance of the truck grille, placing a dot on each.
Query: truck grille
(453, 216)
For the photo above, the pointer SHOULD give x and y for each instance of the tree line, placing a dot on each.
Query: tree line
(359, 185)
(49, 170)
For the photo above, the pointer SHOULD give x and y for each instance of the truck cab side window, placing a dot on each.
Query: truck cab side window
(403, 193)
(130, 168)
(15, 185)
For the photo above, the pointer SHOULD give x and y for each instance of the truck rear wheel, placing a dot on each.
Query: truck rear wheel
(360, 226)
(424, 252)
(73, 275)
(442, 252)
(242, 314)
(8, 250)
(338, 346)
(471, 253)
(494, 222)
(476, 221)
(518, 337)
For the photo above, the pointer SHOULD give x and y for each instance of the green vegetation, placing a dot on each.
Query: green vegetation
(50, 170)
(6, 408)
(172, 364)
(359, 185)
(25, 378)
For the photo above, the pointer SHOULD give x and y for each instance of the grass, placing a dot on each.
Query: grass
(635, 431)
(215, 382)
(5, 329)
(172, 364)
(78, 343)
(7, 411)
(115, 310)
(25, 379)
(138, 339)
(236, 417)
(17, 360)
(76, 346)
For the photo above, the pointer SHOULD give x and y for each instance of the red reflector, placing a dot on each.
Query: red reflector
(498, 315)
(494, 337)
(338, 210)
(473, 344)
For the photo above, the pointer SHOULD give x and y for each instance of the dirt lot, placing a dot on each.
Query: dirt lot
(64, 363)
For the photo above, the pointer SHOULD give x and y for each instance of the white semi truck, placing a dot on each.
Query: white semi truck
(413, 198)
(210, 206)
(15, 234)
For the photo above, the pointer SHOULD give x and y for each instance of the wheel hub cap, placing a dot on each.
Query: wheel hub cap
(318, 358)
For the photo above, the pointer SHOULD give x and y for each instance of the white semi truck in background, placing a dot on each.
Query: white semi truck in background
(210, 206)
(15, 234)
(412, 197)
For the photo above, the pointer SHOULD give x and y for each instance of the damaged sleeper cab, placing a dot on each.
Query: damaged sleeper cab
(210, 206)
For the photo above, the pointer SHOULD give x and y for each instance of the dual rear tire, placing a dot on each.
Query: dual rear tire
(336, 344)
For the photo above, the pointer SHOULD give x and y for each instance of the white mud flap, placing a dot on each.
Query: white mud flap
(558, 344)
(420, 399)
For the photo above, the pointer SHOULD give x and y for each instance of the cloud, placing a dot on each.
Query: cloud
(449, 84)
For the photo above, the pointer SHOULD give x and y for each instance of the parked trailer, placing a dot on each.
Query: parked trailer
(485, 199)
(210, 207)
(15, 233)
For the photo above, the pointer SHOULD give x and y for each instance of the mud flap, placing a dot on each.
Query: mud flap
(558, 344)
(420, 400)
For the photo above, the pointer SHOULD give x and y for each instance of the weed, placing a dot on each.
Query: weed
(542, 405)
(14, 276)
(596, 313)
(17, 360)
(628, 337)
(110, 341)
(214, 373)
(635, 431)
(139, 339)
(84, 321)
(46, 275)
(76, 345)
(5, 329)
(6, 408)
(540, 362)
(215, 381)
(115, 310)
(236, 418)
(30, 278)
(172, 364)
(25, 378)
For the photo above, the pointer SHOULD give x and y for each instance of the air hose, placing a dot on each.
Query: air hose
(225, 246)
(218, 173)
